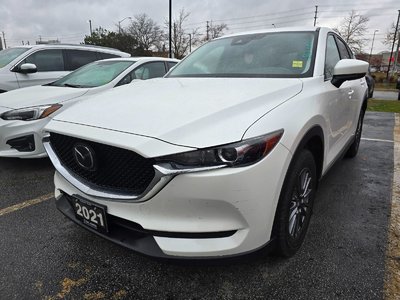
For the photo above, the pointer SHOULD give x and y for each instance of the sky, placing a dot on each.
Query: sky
(68, 20)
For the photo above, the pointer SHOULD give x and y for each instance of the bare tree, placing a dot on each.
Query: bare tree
(353, 29)
(181, 39)
(146, 32)
(388, 41)
(217, 30)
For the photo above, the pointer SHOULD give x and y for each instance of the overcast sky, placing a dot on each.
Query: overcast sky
(67, 20)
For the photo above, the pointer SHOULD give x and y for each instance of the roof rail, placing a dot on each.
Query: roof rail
(80, 45)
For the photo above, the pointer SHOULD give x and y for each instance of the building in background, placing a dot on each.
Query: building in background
(380, 62)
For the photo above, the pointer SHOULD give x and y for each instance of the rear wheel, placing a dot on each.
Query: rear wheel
(295, 204)
(353, 150)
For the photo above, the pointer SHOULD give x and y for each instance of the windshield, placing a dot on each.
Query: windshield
(8, 55)
(93, 75)
(282, 54)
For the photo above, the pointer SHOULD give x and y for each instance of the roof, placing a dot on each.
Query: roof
(271, 30)
(73, 46)
(146, 58)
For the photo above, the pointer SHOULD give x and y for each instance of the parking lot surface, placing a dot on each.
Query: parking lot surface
(43, 255)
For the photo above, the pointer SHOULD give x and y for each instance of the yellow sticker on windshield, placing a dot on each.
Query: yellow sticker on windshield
(297, 64)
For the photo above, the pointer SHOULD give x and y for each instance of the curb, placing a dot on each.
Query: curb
(392, 277)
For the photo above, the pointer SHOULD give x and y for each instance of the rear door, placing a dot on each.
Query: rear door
(50, 66)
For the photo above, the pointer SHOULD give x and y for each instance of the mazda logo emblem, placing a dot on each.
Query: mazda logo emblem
(85, 157)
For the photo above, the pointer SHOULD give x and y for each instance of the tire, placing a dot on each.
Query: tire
(295, 204)
(353, 150)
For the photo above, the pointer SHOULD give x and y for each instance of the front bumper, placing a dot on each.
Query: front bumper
(10, 130)
(218, 213)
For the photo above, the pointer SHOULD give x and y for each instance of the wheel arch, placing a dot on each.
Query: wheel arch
(313, 140)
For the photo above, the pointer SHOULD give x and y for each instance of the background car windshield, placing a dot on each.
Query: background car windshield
(284, 54)
(8, 55)
(94, 75)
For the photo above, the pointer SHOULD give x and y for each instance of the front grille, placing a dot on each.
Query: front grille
(118, 170)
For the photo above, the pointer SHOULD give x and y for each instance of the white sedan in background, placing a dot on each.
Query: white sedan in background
(24, 112)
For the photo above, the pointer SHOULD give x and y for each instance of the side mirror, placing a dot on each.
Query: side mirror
(348, 69)
(27, 68)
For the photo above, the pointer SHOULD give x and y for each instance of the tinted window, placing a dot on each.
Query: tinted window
(171, 64)
(332, 56)
(79, 58)
(344, 52)
(283, 54)
(107, 55)
(94, 74)
(149, 70)
(46, 60)
(8, 55)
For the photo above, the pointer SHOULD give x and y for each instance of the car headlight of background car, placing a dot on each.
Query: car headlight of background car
(237, 154)
(30, 113)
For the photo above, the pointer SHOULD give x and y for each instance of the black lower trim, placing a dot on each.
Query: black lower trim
(2, 91)
(133, 236)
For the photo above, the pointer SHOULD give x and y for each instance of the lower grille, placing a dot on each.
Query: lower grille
(117, 170)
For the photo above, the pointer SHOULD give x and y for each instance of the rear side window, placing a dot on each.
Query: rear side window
(344, 52)
(107, 55)
(332, 56)
(46, 60)
(79, 58)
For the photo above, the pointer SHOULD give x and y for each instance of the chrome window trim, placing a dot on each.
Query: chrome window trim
(163, 174)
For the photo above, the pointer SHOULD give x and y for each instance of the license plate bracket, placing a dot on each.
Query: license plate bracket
(90, 214)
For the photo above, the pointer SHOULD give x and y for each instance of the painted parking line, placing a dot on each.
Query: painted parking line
(25, 204)
(377, 140)
(392, 278)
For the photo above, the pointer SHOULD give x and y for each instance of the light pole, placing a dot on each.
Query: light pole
(119, 23)
(190, 42)
(90, 27)
(373, 39)
(170, 29)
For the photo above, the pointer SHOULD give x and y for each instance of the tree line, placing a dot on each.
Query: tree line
(144, 36)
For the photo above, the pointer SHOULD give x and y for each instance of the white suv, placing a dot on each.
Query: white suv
(223, 155)
(25, 66)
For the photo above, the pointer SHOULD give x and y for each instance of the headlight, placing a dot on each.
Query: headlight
(238, 154)
(30, 113)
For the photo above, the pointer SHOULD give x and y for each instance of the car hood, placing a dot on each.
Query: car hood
(38, 95)
(192, 112)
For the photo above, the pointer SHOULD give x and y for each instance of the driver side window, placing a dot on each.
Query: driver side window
(145, 71)
(332, 57)
(46, 60)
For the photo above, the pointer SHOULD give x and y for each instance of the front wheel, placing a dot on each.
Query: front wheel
(295, 204)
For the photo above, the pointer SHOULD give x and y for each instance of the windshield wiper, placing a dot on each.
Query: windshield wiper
(73, 85)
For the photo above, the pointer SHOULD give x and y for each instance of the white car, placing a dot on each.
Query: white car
(25, 66)
(222, 156)
(24, 112)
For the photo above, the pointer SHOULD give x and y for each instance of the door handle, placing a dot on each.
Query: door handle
(351, 92)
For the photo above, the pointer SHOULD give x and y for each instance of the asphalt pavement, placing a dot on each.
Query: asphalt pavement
(43, 255)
